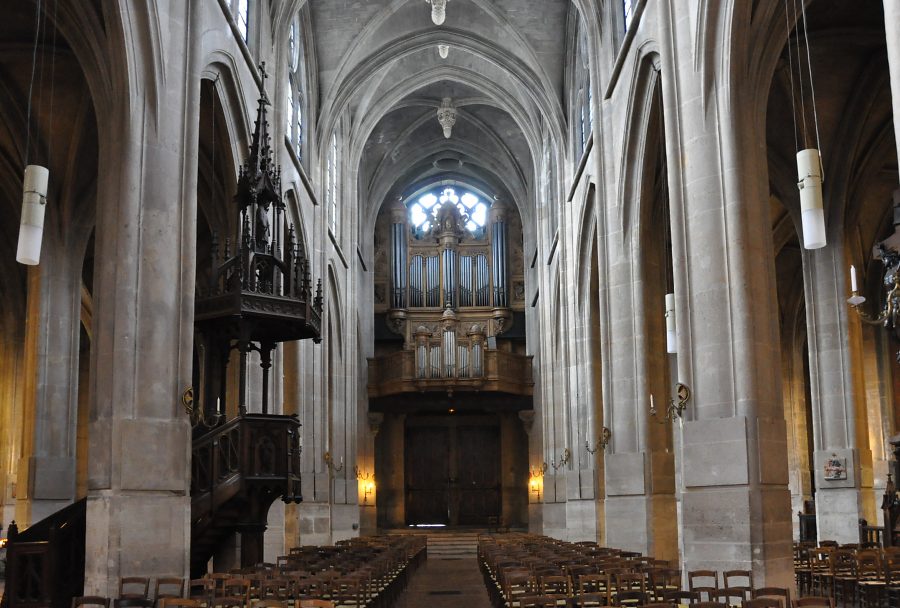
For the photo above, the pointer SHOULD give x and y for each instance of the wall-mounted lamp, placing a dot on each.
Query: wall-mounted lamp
(329, 462)
(603, 441)
(536, 481)
(888, 252)
(675, 408)
(564, 459)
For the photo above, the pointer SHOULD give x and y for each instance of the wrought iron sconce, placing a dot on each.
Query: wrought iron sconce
(368, 483)
(196, 414)
(565, 458)
(329, 462)
(539, 471)
(603, 441)
(675, 409)
(536, 481)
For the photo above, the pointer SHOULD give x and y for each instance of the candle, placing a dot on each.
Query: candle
(853, 279)
(218, 405)
(652, 407)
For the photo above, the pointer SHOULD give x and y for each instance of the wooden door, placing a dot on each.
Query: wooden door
(478, 475)
(453, 472)
(427, 475)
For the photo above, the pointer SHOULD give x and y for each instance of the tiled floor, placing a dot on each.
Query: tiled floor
(446, 583)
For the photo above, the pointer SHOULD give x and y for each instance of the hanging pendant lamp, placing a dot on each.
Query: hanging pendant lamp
(34, 202)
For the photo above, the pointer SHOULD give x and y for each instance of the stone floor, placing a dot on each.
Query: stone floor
(445, 583)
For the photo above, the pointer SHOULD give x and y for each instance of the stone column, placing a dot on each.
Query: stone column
(138, 514)
(838, 403)
(892, 31)
(733, 462)
(47, 465)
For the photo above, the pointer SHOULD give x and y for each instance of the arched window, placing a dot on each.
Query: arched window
(628, 11)
(241, 10)
(294, 94)
(472, 209)
(581, 79)
(331, 184)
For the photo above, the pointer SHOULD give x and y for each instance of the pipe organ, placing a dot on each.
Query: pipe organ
(449, 289)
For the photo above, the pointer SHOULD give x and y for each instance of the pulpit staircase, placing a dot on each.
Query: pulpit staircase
(238, 470)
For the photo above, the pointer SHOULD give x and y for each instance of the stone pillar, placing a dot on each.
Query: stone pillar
(138, 513)
(892, 31)
(838, 402)
(47, 466)
(733, 467)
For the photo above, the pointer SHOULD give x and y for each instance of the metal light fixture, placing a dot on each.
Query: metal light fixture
(675, 409)
(888, 251)
(564, 459)
(438, 11)
(812, 212)
(329, 462)
(671, 334)
(34, 204)
(809, 160)
(446, 115)
(602, 443)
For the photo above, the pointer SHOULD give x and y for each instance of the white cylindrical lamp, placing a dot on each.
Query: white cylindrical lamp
(438, 11)
(812, 212)
(671, 334)
(34, 201)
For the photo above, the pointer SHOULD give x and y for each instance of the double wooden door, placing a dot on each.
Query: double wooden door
(452, 472)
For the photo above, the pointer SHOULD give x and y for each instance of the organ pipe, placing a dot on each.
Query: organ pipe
(499, 253)
(398, 264)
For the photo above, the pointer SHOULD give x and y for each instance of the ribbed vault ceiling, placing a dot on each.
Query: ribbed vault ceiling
(379, 66)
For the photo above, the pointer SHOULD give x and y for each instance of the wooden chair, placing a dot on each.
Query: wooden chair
(316, 604)
(694, 582)
(682, 597)
(710, 605)
(822, 570)
(763, 602)
(90, 600)
(537, 601)
(228, 601)
(203, 589)
(732, 579)
(844, 576)
(180, 602)
(589, 600)
(169, 586)
(142, 583)
(237, 587)
(870, 578)
(779, 593)
(814, 602)
(133, 602)
(270, 604)
(726, 594)
(219, 578)
(630, 597)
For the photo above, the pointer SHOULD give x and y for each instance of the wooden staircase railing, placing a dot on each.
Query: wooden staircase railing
(45, 563)
(238, 470)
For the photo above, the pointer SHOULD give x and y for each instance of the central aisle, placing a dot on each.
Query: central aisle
(446, 583)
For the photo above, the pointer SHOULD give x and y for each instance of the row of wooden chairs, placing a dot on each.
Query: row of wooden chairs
(868, 577)
(366, 573)
(527, 570)
(222, 602)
